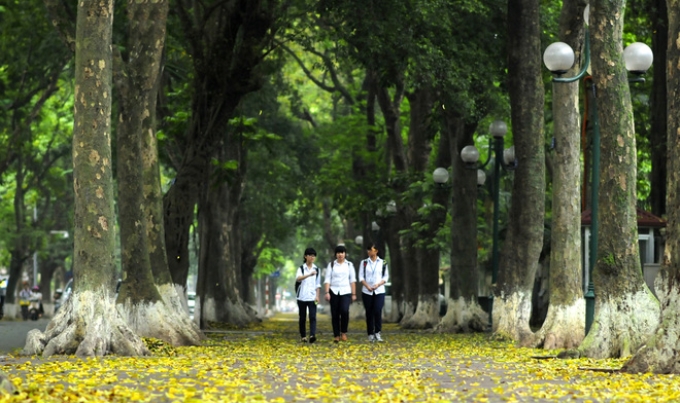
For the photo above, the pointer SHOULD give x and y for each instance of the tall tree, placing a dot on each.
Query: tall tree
(564, 326)
(147, 298)
(659, 100)
(524, 241)
(228, 42)
(660, 353)
(626, 312)
(89, 324)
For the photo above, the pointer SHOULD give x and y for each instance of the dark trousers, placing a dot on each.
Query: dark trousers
(340, 312)
(373, 303)
(2, 304)
(302, 308)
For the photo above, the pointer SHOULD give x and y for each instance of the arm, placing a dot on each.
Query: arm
(353, 282)
(362, 276)
(327, 283)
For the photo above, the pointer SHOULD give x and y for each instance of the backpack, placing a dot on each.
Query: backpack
(298, 283)
(384, 267)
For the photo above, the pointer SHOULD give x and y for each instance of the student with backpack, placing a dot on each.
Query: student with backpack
(307, 286)
(340, 285)
(373, 274)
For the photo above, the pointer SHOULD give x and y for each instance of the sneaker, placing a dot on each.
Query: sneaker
(336, 339)
(378, 338)
(312, 339)
(343, 337)
(371, 338)
(303, 340)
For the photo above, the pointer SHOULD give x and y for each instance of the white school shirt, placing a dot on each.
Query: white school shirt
(308, 286)
(372, 273)
(340, 276)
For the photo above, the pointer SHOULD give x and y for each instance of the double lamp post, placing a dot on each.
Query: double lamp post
(559, 58)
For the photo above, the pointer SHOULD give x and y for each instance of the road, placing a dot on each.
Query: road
(13, 333)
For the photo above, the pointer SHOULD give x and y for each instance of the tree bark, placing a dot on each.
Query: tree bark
(626, 312)
(219, 269)
(426, 313)
(463, 313)
(564, 326)
(660, 352)
(659, 100)
(226, 50)
(147, 298)
(524, 241)
(89, 325)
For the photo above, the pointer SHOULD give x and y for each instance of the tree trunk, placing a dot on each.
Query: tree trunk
(147, 298)
(463, 313)
(564, 326)
(426, 314)
(226, 48)
(219, 270)
(659, 100)
(660, 352)
(524, 241)
(626, 312)
(90, 325)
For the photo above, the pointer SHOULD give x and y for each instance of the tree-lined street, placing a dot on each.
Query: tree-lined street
(267, 363)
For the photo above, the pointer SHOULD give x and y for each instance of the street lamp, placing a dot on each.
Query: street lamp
(559, 58)
(440, 176)
(359, 240)
(505, 159)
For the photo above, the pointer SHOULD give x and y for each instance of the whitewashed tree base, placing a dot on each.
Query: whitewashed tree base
(660, 354)
(622, 325)
(236, 314)
(564, 327)
(167, 320)
(408, 310)
(426, 315)
(463, 317)
(88, 326)
(511, 315)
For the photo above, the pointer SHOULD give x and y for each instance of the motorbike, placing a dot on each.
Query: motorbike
(34, 308)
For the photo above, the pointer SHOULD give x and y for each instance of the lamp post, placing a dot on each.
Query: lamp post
(506, 160)
(559, 58)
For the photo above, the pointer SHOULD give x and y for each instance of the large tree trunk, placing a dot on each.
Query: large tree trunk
(463, 313)
(90, 325)
(564, 325)
(657, 140)
(152, 308)
(626, 312)
(660, 353)
(524, 241)
(227, 47)
(426, 314)
(219, 270)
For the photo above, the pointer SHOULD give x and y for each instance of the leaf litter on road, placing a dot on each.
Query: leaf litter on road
(267, 363)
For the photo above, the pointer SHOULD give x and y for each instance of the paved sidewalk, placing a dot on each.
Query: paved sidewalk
(13, 333)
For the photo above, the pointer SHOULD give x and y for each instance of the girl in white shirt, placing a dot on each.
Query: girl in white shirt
(340, 284)
(308, 294)
(373, 274)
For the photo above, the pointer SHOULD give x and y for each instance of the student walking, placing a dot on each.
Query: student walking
(308, 284)
(373, 274)
(340, 285)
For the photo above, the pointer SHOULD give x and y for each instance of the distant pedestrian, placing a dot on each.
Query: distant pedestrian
(25, 299)
(373, 274)
(309, 281)
(340, 284)
(3, 291)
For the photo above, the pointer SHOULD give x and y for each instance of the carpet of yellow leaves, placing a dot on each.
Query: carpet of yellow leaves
(267, 363)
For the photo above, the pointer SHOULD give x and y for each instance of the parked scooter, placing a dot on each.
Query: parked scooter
(34, 309)
(35, 304)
